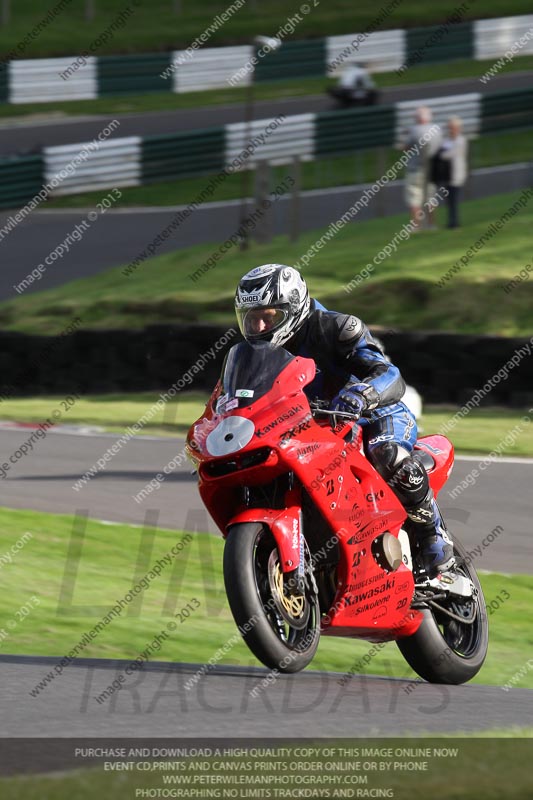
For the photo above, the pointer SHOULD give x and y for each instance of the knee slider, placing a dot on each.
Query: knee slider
(410, 482)
(386, 457)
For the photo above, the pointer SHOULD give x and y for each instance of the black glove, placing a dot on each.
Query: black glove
(355, 398)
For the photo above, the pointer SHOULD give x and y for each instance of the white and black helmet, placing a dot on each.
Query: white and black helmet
(272, 302)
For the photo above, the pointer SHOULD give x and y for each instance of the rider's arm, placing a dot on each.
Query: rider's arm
(373, 377)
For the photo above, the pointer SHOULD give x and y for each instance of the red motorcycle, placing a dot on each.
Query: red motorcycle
(314, 537)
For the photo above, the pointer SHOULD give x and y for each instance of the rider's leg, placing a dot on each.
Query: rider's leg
(389, 443)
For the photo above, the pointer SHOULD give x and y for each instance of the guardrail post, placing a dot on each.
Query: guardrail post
(245, 180)
(263, 227)
(295, 199)
(6, 11)
(89, 10)
(382, 168)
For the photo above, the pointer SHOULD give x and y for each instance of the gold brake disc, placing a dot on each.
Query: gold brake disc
(293, 608)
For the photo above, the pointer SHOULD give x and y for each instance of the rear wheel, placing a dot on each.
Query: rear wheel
(451, 649)
(281, 629)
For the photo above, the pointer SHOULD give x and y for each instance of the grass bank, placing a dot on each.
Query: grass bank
(155, 26)
(402, 292)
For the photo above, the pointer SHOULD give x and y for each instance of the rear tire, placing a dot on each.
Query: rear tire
(251, 577)
(444, 650)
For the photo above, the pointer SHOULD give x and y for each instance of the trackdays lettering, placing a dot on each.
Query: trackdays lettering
(275, 422)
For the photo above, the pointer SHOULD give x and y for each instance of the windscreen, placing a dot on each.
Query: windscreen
(249, 372)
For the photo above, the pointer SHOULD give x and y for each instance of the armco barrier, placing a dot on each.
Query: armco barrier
(295, 135)
(466, 106)
(4, 82)
(38, 80)
(208, 68)
(116, 162)
(507, 110)
(153, 358)
(439, 43)
(20, 180)
(171, 156)
(383, 51)
(493, 37)
(133, 74)
(346, 131)
(302, 59)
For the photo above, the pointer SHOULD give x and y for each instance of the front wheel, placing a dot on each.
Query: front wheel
(448, 649)
(281, 629)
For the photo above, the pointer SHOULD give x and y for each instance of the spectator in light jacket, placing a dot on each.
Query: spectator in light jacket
(455, 149)
(423, 141)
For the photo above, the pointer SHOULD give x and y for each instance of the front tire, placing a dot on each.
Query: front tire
(444, 650)
(281, 631)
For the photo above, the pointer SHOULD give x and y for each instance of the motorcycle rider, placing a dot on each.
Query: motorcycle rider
(272, 304)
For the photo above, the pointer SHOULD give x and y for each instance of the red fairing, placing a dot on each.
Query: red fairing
(285, 526)
(441, 451)
(284, 407)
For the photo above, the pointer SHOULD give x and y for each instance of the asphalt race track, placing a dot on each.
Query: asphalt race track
(155, 702)
(43, 481)
(35, 133)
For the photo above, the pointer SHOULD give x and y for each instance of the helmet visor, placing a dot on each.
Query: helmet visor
(260, 322)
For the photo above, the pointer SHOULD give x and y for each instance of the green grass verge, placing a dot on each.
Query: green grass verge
(105, 572)
(479, 432)
(402, 291)
(155, 27)
(112, 412)
(363, 166)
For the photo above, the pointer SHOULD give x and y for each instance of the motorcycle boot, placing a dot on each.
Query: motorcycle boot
(436, 546)
(409, 480)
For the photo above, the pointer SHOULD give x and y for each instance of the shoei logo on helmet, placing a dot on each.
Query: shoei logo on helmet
(251, 298)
